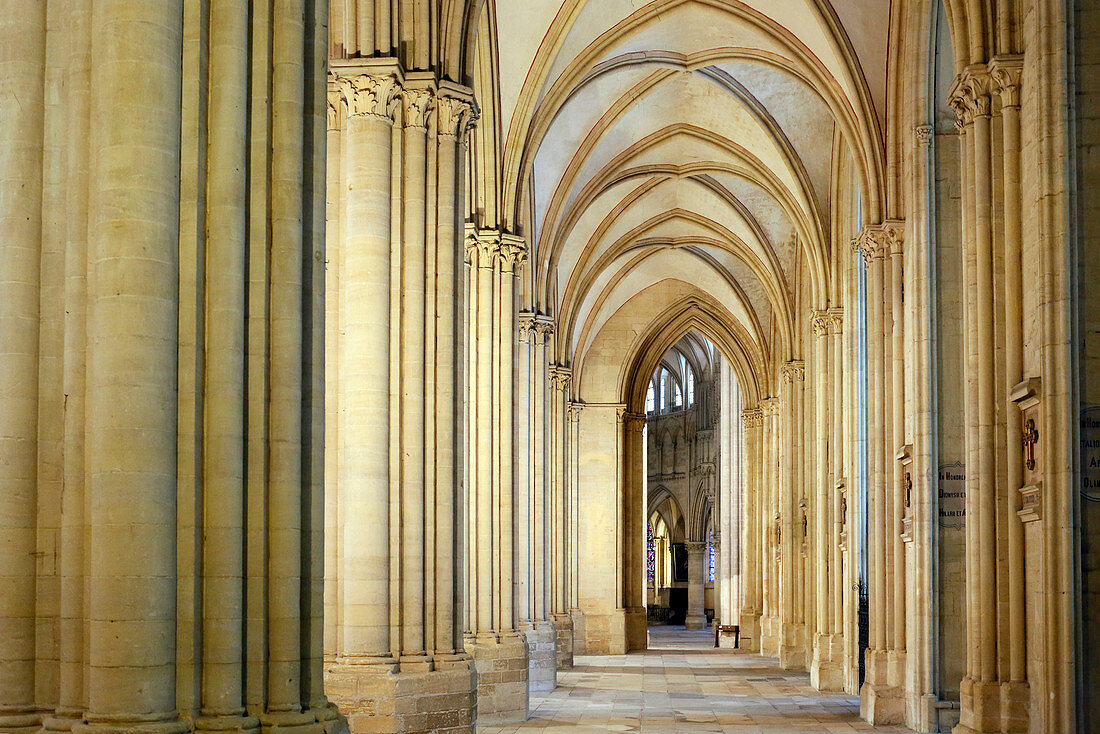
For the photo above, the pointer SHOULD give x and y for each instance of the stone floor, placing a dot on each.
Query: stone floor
(683, 684)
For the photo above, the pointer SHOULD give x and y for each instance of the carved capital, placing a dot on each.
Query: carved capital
(337, 109)
(368, 95)
(695, 547)
(573, 412)
(820, 322)
(482, 247)
(487, 248)
(560, 377)
(881, 240)
(769, 407)
(752, 417)
(417, 106)
(924, 135)
(512, 252)
(893, 237)
(455, 117)
(1006, 73)
(970, 95)
(633, 422)
(837, 317)
(534, 329)
(794, 371)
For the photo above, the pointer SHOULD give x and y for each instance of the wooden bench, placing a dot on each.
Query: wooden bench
(734, 628)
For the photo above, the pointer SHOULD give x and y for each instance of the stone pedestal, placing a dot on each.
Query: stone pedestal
(750, 632)
(769, 636)
(542, 667)
(436, 696)
(990, 707)
(580, 646)
(792, 648)
(637, 630)
(563, 640)
(879, 702)
(501, 663)
(826, 672)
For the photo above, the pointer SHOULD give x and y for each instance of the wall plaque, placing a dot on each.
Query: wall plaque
(1090, 454)
(952, 504)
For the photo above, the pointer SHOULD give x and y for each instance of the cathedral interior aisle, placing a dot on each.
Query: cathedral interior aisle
(683, 684)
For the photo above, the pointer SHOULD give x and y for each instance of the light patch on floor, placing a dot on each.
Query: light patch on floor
(683, 684)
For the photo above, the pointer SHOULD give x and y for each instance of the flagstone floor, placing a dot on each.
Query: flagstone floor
(683, 684)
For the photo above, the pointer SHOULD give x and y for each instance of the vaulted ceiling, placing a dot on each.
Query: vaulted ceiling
(692, 142)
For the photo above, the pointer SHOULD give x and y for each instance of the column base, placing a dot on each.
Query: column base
(20, 721)
(937, 715)
(563, 642)
(414, 696)
(238, 724)
(826, 671)
(63, 719)
(127, 725)
(290, 722)
(879, 702)
(580, 646)
(501, 662)
(895, 666)
(637, 629)
(792, 648)
(750, 633)
(542, 666)
(770, 638)
(614, 633)
(695, 622)
(993, 706)
(328, 716)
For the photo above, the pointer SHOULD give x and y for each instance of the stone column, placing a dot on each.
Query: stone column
(131, 428)
(534, 334)
(633, 503)
(398, 663)
(880, 702)
(498, 648)
(286, 647)
(752, 538)
(23, 64)
(1006, 73)
(836, 480)
(825, 670)
(894, 231)
(980, 690)
(770, 530)
(560, 380)
(222, 699)
(71, 683)
(363, 475)
(696, 619)
(995, 692)
(792, 649)
(573, 438)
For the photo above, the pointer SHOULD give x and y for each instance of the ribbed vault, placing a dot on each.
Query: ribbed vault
(687, 137)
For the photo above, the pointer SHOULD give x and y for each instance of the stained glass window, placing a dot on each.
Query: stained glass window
(710, 556)
(650, 554)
